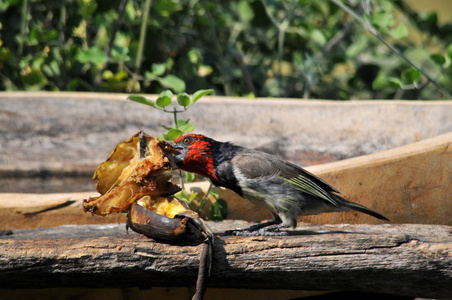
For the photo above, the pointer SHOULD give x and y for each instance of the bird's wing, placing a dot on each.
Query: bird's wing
(254, 164)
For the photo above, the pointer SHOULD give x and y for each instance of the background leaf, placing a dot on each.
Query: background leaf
(93, 55)
(158, 69)
(173, 82)
(400, 32)
(411, 75)
(142, 100)
(201, 93)
(294, 49)
(438, 59)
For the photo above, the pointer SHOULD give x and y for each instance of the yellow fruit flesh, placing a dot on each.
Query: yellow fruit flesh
(162, 205)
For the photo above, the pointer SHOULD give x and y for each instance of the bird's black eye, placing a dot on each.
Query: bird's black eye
(186, 141)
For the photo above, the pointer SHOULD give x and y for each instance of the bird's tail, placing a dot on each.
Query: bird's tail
(359, 207)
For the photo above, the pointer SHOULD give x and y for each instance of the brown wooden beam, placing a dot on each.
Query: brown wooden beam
(409, 260)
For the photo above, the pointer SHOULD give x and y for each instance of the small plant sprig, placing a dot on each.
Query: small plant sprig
(162, 103)
(180, 127)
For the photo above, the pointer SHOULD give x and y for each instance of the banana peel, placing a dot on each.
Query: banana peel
(135, 178)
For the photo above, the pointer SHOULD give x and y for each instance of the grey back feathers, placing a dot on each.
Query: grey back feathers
(285, 188)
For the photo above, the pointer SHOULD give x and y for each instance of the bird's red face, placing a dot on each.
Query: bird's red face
(195, 155)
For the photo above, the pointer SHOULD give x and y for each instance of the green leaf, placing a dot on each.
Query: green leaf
(183, 99)
(214, 193)
(172, 134)
(245, 11)
(382, 82)
(431, 19)
(164, 99)
(438, 59)
(181, 123)
(382, 19)
(184, 194)
(411, 75)
(33, 77)
(93, 55)
(192, 196)
(173, 82)
(199, 94)
(395, 82)
(142, 100)
(449, 51)
(158, 69)
(189, 177)
(318, 37)
(167, 93)
(219, 210)
(120, 53)
(399, 32)
(184, 197)
(187, 128)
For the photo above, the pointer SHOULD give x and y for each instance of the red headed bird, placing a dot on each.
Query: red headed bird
(287, 190)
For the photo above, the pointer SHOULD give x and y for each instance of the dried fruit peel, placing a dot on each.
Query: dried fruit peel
(126, 176)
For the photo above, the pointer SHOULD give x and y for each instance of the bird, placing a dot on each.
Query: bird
(268, 181)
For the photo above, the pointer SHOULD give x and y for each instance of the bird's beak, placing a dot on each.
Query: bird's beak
(176, 153)
(176, 147)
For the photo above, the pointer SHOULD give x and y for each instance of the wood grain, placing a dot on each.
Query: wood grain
(409, 260)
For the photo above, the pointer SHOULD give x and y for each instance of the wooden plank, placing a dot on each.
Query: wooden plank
(55, 132)
(409, 184)
(408, 260)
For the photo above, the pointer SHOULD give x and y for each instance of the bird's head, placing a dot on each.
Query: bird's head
(195, 154)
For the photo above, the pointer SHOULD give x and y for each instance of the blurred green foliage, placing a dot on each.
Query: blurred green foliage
(310, 49)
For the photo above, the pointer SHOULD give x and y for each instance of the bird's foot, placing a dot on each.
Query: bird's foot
(259, 230)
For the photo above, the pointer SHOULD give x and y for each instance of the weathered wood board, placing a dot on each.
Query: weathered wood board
(408, 260)
(47, 136)
(51, 142)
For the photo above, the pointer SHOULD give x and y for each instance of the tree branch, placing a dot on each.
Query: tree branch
(380, 37)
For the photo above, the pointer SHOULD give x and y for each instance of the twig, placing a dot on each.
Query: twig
(247, 79)
(379, 36)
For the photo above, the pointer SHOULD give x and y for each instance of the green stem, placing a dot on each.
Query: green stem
(62, 24)
(143, 29)
(379, 36)
(175, 117)
(204, 200)
(23, 25)
(181, 175)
